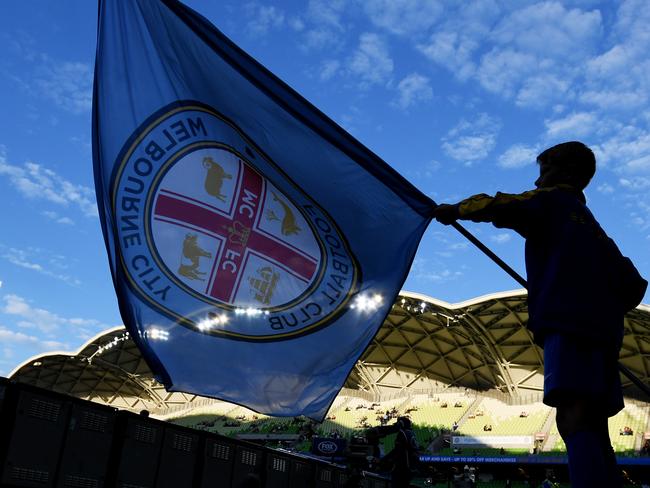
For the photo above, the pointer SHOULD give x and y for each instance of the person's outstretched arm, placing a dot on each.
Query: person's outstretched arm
(512, 211)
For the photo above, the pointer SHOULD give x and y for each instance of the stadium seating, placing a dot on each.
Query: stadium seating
(430, 415)
(506, 419)
(632, 416)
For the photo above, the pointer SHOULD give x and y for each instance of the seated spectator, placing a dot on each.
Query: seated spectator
(457, 450)
(502, 451)
(628, 431)
(443, 405)
(454, 426)
(523, 414)
(347, 409)
(458, 404)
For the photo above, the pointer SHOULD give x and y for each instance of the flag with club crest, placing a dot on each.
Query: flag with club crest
(255, 246)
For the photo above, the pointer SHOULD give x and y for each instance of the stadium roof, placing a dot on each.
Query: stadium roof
(424, 343)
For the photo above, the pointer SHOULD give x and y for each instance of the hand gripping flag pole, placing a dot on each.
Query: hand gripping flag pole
(519, 279)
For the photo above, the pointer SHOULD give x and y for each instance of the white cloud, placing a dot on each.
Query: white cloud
(34, 317)
(532, 52)
(453, 50)
(41, 319)
(577, 124)
(518, 156)
(548, 29)
(617, 79)
(329, 69)
(636, 183)
(371, 62)
(438, 276)
(8, 336)
(639, 164)
(501, 238)
(403, 16)
(39, 183)
(425, 170)
(539, 90)
(632, 21)
(460, 36)
(608, 99)
(68, 84)
(326, 12)
(412, 89)
(609, 63)
(628, 149)
(264, 19)
(423, 270)
(605, 189)
(17, 343)
(297, 24)
(472, 141)
(322, 25)
(25, 259)
(536, 50)
(57, 218)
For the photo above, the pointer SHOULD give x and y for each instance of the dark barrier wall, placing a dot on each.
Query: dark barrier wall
(34, 437)
(137, 446)
(217, 461)
(178, 458)
(53, 440)
(87, 447)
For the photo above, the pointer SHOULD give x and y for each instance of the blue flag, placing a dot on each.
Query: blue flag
(255, 246)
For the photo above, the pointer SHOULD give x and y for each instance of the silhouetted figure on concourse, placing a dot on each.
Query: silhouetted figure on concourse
(404, 457)
(579, 288)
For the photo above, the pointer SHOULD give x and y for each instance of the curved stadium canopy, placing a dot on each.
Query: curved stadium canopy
(424, 343)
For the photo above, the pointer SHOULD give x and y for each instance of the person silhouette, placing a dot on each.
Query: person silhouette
(404, 457)
(579, 288)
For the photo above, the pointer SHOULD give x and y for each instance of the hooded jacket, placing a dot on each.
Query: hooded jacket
(579, 283)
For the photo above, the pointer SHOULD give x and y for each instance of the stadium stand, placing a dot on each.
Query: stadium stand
(503, 419)
(428, 353)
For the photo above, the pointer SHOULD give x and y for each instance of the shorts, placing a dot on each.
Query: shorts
(576, 369)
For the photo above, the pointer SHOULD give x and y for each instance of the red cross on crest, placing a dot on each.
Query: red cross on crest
(233, 222)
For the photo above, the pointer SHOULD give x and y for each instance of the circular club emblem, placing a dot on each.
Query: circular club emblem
(214, 235)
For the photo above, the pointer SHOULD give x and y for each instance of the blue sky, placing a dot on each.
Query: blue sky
(458, 96)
